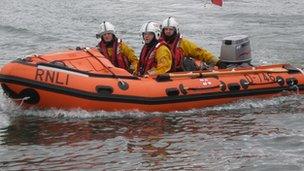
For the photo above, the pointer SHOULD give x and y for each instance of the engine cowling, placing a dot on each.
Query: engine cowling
(236, 51)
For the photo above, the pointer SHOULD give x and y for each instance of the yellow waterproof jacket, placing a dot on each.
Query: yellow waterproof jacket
(126, 52)
(190, 49)
(163, 59)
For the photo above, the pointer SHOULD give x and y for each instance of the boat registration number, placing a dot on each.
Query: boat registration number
(260, 78)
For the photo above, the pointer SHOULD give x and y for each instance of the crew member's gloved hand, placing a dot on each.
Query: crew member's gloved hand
(221, 64)
(79, 48)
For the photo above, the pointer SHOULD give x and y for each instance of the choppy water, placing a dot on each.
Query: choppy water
(247, 135)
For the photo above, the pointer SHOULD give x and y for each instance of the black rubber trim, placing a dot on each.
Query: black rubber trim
(139, 99)
(104, 90)
(172, 92)
(234, 86)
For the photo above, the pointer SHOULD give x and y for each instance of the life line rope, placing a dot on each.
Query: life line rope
(301, 70)
(20, 99)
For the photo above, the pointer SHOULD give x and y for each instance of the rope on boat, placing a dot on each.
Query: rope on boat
(298, 90)
(87, 49)
(22, 100)
(301, 70)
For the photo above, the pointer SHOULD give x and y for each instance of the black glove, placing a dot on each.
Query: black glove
(79, 48)
(221, 64)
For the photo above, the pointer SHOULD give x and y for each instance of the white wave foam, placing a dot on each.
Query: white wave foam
(80, 113)
(4, 121)
(249, 104)
(5, 107)
(10, 108)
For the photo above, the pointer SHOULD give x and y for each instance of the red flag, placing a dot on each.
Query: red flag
(217, 2)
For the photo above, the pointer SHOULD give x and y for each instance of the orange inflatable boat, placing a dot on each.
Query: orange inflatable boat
(85, 79)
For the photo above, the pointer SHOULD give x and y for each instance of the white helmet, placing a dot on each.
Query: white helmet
(151, 27)
(170, 22)
(105, 27)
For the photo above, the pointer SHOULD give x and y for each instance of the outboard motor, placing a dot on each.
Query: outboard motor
(236, 51)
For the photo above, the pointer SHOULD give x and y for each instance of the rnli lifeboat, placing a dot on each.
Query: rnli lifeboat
(85, 79)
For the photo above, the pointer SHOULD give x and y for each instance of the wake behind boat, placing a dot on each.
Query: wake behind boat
(85, 79)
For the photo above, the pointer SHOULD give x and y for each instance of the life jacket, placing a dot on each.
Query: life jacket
(177, 54)
(117, 59)
(147, 58)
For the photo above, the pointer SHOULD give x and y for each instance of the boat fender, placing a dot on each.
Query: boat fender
(291, 81)
(223, 86)
(182, 89)
(104, 90)
(234, 86)
(33, 96)
(123, 85)
(280, 80)
(172, 92)
(244, 83)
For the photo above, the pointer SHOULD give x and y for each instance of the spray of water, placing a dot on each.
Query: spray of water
(9, 110)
